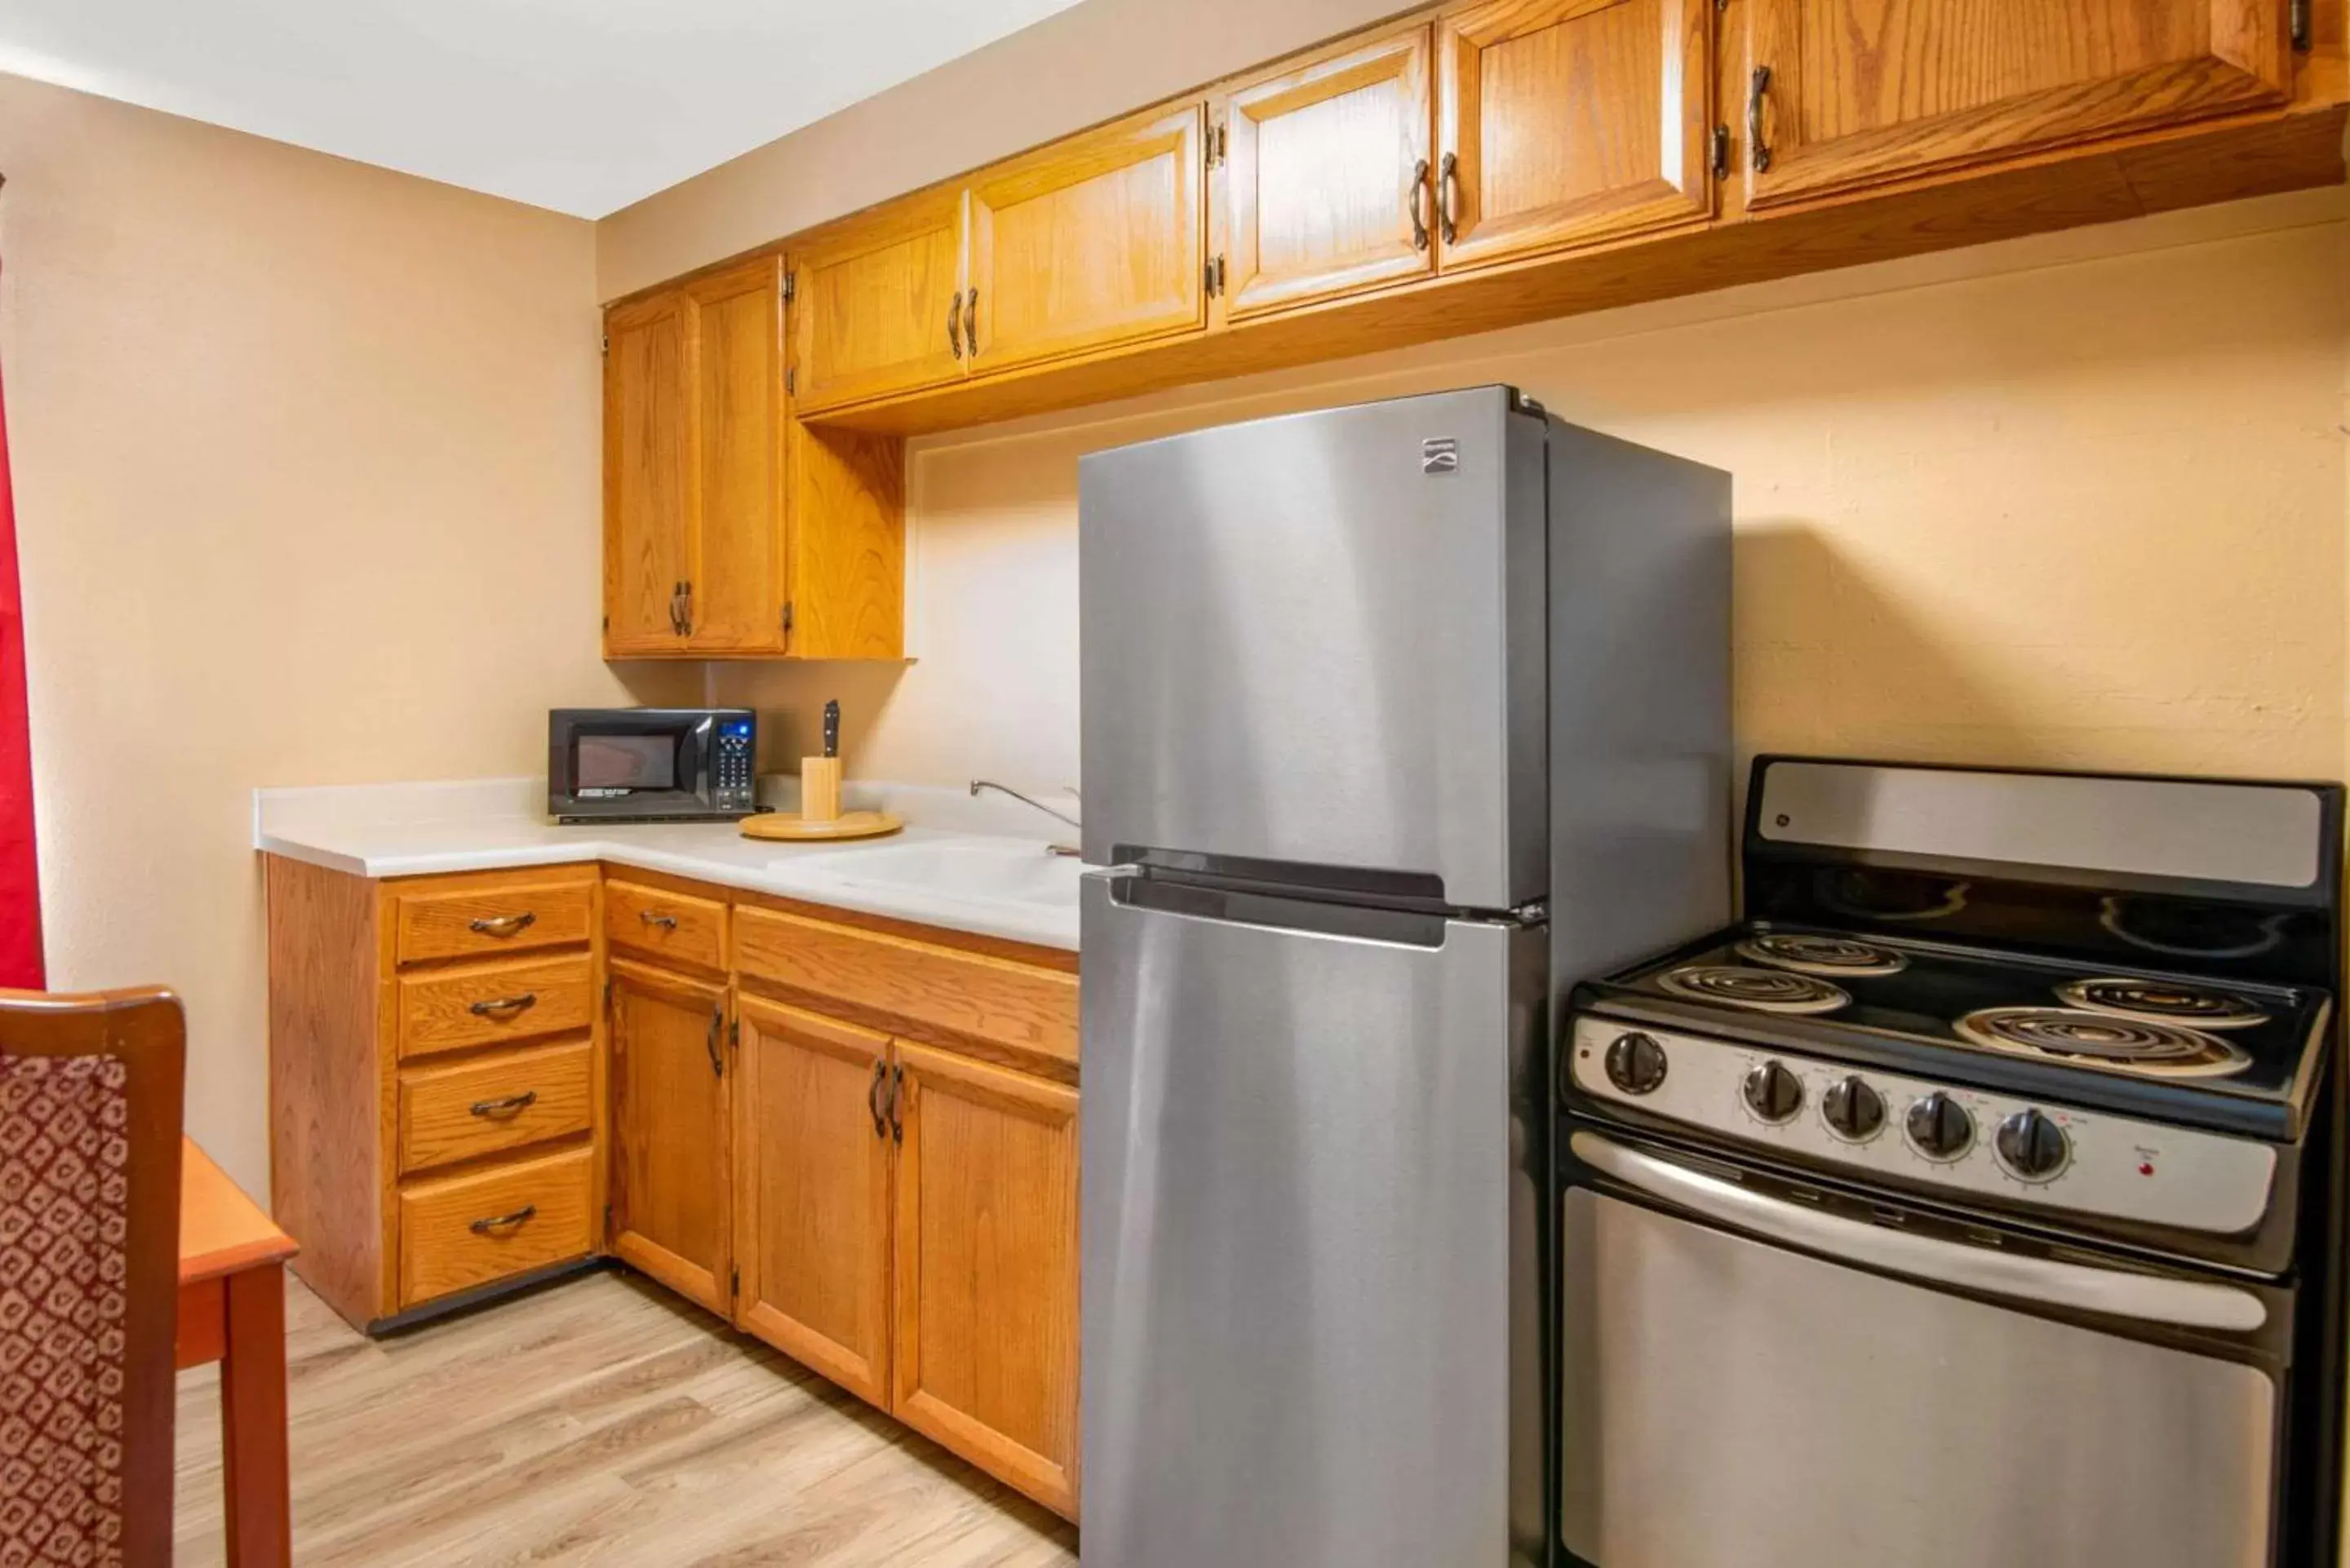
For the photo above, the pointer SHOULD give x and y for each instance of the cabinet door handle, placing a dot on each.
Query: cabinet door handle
(873, 1101)
(1420, 205)
(504, 1006)
(503, 1222)
(954, 324)
(971, 322)
(717, 1061)
(677, 609)
(898, 1103)
(1448, 199)
(512, 1104)
(1758, 89)
(503, 925)
(667, 922)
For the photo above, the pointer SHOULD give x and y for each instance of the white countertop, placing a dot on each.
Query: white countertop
(411, 830)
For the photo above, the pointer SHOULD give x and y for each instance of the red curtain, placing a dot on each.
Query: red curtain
(20, 877)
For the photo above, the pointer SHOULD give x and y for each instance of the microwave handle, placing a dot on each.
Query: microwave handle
(2181, 1304)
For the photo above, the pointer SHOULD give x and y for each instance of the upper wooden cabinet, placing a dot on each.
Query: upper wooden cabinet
(1322, 182)
(1095, 240)
(730, 529)
(1844, 94)
(880, 302)
(1560, 122)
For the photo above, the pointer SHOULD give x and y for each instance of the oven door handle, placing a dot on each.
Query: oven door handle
(2182, 1303)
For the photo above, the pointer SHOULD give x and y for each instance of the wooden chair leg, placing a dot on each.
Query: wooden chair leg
(253, 1422)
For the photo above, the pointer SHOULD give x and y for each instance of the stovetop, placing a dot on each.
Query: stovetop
(2226, 1053)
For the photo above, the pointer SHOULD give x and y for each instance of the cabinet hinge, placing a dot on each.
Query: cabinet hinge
(791, 286)
(2302, 37)
(1211, 147)
(1721, 152)
(606, 349)
(1212, 276)
(788, 617)
(734, 1281)
(734, 1033)
(792, 381)
(607, 979)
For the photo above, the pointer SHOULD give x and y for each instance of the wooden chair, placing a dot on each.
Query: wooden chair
(90, 1221)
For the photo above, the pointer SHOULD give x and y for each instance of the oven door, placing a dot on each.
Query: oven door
(630, 763)
(1751, 1380)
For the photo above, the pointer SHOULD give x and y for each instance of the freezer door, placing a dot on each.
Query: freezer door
(1312, 1299)
(1318, 641)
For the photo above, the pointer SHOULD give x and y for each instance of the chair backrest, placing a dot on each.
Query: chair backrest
(89, 1222)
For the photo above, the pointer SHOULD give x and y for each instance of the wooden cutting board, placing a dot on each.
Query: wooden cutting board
(793, 828)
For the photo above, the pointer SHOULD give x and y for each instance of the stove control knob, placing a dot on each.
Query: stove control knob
(1772, 1093)
(1939, 1127)
(1853, 1111)
(2032, 1146)
(1635, 1063)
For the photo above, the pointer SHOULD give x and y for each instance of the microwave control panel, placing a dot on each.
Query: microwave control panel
(736, 786)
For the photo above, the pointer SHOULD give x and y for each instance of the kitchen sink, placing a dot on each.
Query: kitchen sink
(997, 871)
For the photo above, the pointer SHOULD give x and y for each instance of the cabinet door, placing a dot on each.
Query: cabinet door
(1852, 93)
(876, 300)
(736, 559)
(1093, 242)
(1561, 122)
(812, 1193)
(987, 1269)
(646, 474)
(1325, 183)
(672, 1154)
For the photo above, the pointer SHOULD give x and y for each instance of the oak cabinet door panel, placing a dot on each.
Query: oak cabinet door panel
(1094, 242)
(1851, 93)
(647, 459)
(1325, 184)
(1564, 122)
(986, 1352)
(672, 1157)
(813, 1193)
(875, 301)
(737, 556)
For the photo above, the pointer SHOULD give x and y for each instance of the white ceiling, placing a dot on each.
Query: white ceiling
(583, 106)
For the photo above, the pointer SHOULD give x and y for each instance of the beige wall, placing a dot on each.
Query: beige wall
(305, 464)
(2078, 501)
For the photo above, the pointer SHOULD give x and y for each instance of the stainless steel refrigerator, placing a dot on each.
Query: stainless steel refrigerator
(1397, 720)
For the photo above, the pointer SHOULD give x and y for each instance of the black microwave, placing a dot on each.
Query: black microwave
(651, 765)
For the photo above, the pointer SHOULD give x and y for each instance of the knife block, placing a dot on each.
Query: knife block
(819, 789)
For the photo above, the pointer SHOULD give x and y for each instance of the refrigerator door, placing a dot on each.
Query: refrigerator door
(1313, 1316)
(1318, 642)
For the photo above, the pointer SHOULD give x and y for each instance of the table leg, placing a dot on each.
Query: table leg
(253, 1421)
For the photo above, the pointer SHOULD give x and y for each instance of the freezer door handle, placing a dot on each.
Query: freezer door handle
(2181, 1304)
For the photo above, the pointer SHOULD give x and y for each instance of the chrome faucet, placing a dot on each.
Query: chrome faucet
(1064, 849)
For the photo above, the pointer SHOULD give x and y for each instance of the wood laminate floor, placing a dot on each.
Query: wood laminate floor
(598, 1421)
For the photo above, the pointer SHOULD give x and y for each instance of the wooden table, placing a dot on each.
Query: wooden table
(232, 1310)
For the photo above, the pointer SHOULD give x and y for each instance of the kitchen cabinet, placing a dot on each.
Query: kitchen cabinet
(986, 1353)
(1093, 242)
(732, 531)
(672, 1145)
(1843, 94)
(1323, 183)
(1563, 122)
(880, 302)
(812, 1181)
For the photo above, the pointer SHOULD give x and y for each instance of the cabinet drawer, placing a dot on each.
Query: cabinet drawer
(482, 1004)
(466, 1230)
(673, 928)
(510, 1101)
(483, 922)
(975, 1002)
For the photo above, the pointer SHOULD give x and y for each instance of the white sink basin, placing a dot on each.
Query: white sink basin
(995, 871)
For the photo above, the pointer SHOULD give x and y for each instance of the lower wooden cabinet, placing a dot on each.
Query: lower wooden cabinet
(671, 1165)
(812, 1192)
(986, 1353)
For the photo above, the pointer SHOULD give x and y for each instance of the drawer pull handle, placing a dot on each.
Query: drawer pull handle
(511, 1106)
(503, 1222)
(667, 922)
(1420, 205)
(504, 925)
(873, 1098)
(1447, 198)
(1758, 88)
(504, 1006)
